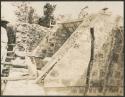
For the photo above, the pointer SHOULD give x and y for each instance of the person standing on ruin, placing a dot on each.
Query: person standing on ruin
(48, 19)
(4, 40)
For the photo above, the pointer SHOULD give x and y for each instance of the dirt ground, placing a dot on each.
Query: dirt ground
(22, 87)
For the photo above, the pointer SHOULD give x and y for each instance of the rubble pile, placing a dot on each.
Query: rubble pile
(28, 36)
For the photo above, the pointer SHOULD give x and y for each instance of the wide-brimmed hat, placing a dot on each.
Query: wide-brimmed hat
(3, 20)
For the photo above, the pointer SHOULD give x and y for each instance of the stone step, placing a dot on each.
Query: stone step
(12, 44)
(15, 65)
(23, 87)
(8, 57)
(10, 51)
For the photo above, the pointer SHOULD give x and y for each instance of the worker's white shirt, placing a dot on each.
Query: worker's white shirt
(4, 40)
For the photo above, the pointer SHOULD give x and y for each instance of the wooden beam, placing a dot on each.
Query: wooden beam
(18, 78)
(71, 21)
(46, 69)
(15, 65)
(12, 44)
(10, 51)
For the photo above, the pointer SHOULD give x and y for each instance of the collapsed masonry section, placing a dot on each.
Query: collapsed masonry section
(69, 64)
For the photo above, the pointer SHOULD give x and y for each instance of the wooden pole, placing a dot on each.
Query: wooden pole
(90, 65)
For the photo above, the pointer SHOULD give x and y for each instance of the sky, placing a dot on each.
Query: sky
(64, 7)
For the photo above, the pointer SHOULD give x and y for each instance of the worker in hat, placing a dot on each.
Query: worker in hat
(4, 41)
(4, 23)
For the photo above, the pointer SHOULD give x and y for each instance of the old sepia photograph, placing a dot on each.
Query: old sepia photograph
(62, 48)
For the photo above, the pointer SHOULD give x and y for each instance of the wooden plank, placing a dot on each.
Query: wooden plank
(9, 57)
(15, 65)
(70, 21)
(12, 44)
(18, 78)
(10, 51)
(45, 71)
(35, 56)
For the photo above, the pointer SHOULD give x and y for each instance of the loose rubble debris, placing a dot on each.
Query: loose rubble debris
(29, 35)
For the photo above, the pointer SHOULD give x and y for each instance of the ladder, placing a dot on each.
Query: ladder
(9, 58)
(6, 67)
